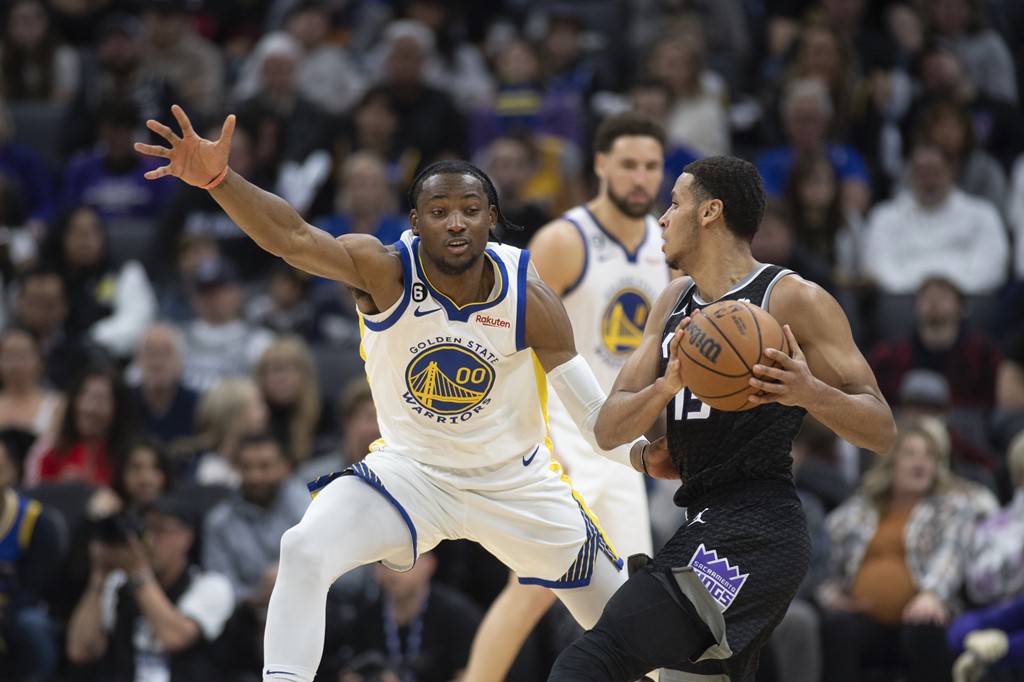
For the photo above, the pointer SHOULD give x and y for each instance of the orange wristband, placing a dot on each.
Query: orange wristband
(217, 180)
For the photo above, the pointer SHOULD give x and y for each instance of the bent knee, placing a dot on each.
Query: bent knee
(300, 552)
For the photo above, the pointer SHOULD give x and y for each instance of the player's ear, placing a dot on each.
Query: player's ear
(414, 221)
(712, 210)
(493, 211)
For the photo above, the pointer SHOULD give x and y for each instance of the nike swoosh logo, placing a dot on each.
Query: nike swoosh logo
(526, 461)
(280, 672)
(421, 313)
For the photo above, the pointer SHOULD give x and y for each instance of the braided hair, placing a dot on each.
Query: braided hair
(458, 167)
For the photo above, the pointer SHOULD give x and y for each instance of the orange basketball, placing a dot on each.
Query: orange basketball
(720, 345)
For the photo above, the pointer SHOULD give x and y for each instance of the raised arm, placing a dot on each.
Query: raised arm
(641, 392)
(360, 261)
(825, 373)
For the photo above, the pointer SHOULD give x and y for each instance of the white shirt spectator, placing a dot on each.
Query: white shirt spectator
(961, 238)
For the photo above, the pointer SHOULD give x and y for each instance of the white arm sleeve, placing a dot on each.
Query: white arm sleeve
(576, 385)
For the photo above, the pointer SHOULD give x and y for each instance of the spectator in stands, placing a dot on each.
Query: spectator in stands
(286, 307)
(365, 201)
(895, 567)
(1008, 418)
(121, 77)
(807, 114)
(941, 341)
(26, 403)
(227, 412)
(36, 66)
(933, 228)
(814, 202)
(194, 217)
(373, 127)
(292, 134)
(995, 572)
(436, 622)
(457, 66)
(962, 25)
(166, 407)
(947, 123)
(326, 74)
(98, 422)
(143, 474)
(300, 418)
(242, 534)
(776, 242)
(995, 581)
(943, 75)
(427, 118)
(176, 52)
(821, 53)
(357, 416)
(31, 182)
(109, 177)
(146, 610)
(926, 392)
(175, 292)
(41, 308)
(697, 119)
(219, 342)
(110, 303)
(510, 164)
(32, 544)
(520, 102)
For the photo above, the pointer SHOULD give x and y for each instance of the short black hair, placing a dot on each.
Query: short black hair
(628, 123)
(258, 438)
(459, 167)
(737, 184)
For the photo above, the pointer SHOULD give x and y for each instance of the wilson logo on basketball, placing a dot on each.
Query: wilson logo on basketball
(707, 347)
(488, 321)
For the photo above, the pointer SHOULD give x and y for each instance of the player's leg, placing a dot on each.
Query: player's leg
(643, 627)
(506, 625)
(348, 524)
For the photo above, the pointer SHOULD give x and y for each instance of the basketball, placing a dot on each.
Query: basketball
(719, 347)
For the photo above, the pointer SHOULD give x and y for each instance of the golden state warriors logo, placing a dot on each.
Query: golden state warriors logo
(622, 325)
(448, 380)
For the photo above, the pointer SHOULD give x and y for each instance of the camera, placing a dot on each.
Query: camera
(117, 528)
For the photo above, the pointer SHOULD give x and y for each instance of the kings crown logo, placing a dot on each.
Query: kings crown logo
(722, 579)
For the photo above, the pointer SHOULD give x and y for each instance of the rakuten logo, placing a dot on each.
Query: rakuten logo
(488, 321)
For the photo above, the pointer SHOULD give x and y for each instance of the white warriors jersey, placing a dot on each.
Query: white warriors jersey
(456, 386)
(610, 302)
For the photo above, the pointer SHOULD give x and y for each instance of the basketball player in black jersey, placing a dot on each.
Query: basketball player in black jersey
(705, 605)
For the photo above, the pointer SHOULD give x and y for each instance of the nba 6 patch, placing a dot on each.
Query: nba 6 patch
(722, 579)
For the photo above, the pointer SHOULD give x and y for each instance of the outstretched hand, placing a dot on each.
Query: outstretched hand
(195, 160)
(790, 381)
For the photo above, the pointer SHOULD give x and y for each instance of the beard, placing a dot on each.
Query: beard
(447, 268)
(632, 210)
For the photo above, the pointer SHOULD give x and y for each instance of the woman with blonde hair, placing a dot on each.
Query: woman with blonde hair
(896, 564)
(229, 411)
(286, 374)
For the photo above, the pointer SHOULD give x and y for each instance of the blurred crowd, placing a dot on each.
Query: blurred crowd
(166, 387)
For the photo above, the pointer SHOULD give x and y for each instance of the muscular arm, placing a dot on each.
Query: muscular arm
(558, 252)
(360, 261)
(841, 391)
(640, 393)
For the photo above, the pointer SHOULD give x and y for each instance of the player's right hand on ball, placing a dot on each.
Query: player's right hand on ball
(195, 160)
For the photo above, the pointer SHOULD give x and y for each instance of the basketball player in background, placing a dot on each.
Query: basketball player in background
(454, 330)
(704, 607)
(604, 259)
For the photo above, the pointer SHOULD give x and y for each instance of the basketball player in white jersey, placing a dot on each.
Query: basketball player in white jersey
(460, 339)
(604, 259)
